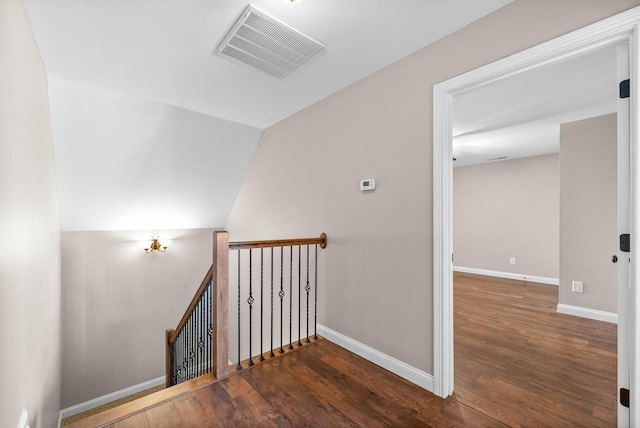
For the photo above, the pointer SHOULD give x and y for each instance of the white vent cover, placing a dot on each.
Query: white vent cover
(267, 44)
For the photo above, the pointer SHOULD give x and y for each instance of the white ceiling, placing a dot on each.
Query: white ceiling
(521, 116)
(152, 130)
(163, 50)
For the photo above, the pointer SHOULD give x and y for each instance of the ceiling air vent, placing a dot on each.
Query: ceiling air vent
(267, 44)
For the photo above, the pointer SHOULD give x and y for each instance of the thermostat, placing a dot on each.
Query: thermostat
(368, 184)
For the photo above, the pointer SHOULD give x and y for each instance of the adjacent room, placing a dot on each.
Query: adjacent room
(535, 211)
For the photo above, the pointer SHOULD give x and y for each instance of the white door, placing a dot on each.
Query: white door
(624, 227)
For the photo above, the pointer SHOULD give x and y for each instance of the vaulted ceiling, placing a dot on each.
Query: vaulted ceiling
(152, 129)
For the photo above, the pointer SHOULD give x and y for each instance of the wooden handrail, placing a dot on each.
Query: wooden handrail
(322, 241)
(192, 305)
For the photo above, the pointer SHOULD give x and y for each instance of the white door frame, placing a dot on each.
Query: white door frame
(621, 27)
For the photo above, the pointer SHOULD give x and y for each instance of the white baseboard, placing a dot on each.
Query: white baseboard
(404, 370)
(593, 314)
(508, 275)
(88, 405)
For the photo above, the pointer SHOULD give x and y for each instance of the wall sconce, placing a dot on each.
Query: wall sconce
(156, 245)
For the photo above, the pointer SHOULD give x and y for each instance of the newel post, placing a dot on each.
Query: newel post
(168, 357)
(220, 305)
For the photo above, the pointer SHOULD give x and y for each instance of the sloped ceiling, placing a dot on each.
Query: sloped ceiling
(151, 129)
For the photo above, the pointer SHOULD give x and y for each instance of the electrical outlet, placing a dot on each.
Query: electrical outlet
(577, 287)
(512, 260)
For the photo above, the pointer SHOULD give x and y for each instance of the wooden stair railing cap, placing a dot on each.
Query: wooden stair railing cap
(321, 241)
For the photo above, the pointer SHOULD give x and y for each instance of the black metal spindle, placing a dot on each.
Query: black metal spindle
(199, 338)
(197, 326)
(291, 297)
(299, 293)
(307, 288)
(202, 329)
(207, 357)
(315, 299)
(261, 303)
(271, 354)
(239, 366)
(281, 295)
(187, 366)
(250, 301)
(190, 350)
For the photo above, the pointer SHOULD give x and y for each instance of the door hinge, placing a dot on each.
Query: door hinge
(625, 89)
(625, 243)
(624, 397)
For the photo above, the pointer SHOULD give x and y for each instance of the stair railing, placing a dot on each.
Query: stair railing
(275, 285)
(200, 343)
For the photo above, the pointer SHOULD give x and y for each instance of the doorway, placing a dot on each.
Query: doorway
(612, 31)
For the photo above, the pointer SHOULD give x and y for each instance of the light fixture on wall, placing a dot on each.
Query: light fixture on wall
(156, 245)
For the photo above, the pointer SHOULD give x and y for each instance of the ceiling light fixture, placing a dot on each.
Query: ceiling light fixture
(155, 245)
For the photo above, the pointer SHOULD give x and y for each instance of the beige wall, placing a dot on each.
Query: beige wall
(304, 177)
(29, 231)
(588, 212)
(117, 303)
(508, 209)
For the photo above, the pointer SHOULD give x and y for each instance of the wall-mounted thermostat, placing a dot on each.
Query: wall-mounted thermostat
(368, 184)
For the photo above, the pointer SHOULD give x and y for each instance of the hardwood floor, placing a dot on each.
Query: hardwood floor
(524, 364)
(319, 385)
(518, 364)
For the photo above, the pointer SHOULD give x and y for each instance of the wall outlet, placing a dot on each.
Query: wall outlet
(512, 260)
(577, 287)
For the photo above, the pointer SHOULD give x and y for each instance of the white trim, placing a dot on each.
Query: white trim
(91, 404)
(593, 314)
(618, 28)
(404, 370)
(508, 275)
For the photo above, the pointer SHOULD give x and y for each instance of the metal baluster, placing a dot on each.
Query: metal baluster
(261, 303)
(191, 334)
(196, 337)
(239, 366)
(183, 369)
(281, 295)
(173, 364)
(271, 354)
(210, 324)
(299, 293)
(192, 353)
(315, 300)
(307, 288)
(250, 301)
(207, 360)
(291, 297)
(207, 315)
(201, 333)
(194, 315)
(186, 351)
(186, 355)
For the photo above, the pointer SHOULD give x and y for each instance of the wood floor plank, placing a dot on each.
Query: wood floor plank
(165, 416)
(134, 421)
